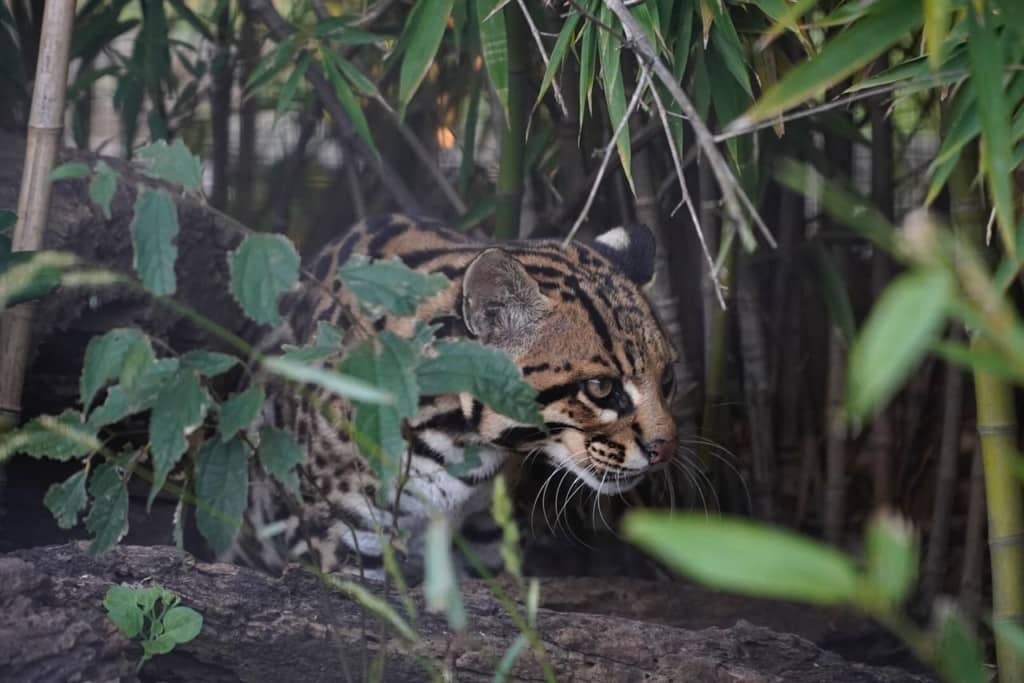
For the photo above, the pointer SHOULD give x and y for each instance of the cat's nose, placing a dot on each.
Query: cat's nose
(661, 450)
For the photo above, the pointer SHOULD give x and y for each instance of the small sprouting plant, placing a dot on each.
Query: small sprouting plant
(153, 615)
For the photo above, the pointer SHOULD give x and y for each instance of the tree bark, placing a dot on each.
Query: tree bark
(259, 628)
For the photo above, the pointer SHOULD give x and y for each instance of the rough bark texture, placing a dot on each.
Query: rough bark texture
(258, 628)
(64, 323)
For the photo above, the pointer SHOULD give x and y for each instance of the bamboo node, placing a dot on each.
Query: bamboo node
(1006, 541)
(1008, 429)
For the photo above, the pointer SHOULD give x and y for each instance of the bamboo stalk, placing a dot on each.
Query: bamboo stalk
(245, 169)
(756, 389)
(974, 528)
(45, 125)
(997, 432)
(945, 483)
(220, 108)
(509, 193)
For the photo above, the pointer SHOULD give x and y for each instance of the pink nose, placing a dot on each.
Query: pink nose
(661, 450)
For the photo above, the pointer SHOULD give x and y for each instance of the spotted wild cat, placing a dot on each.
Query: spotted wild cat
(576, 322)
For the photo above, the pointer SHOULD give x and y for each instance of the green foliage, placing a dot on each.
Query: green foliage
(222, 489)
(154, 616)
(263, 268)
(172, 163)
(67, 499)
(154, 228)
(900, 329)
(240, 410)
(279, 455)
(108, 518)
(420, 39)
(102, 187)
(440, 588)
(389, 285)
(179, 409)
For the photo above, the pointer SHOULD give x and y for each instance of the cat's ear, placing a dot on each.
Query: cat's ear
(501, 302)
(630, 248)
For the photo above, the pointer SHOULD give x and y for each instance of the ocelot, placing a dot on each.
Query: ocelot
(576, 322)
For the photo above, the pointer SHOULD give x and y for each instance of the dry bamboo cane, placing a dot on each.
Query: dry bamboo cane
(45, 125)
(997, 432)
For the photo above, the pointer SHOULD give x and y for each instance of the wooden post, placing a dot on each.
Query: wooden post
(45, 125)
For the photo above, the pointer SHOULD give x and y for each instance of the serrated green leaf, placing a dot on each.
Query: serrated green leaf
(487, 373)
(263, 268)
(391, 285)
(154, 228)
(279, 455)
(378, 428)
(67, 499)
(58, 438)
(421, 37)
(222, 489)
(102, 187)
(179, 409)
(140, 394)
(440, 586)
(70, 171)
(494, 47)
(208, 363)
(903, 324)
(240, 410)
(886, 22)
(744, 557)
(173, 163)
(108, 518)
(105, 359)
(123, 609)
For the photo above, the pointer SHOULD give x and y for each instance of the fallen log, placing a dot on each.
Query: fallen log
(260, 628)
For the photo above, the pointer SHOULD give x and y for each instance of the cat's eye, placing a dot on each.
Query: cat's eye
(668, 381)
(599, 387)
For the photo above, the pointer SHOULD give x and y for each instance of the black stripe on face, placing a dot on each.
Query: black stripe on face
(420, 447)
(598, 323)
(557, 393)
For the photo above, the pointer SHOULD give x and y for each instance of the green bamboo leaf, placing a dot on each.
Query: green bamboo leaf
(959, 652)
(744, 557)
(902, 326)
(108, 518)
(440, 585)
(342, 385)
(70, 171)
(275, 62)
(558, 53)
(833, 289)
(886, 22)
(494, 46)
(421, 35)
(588, 62)
(987, 74)
(222, 490)
(357, 78)
(615, 93)
(154, 228)
(892, 557)
(263, 268)
(509, 659)
(284, 99)
(348, 100)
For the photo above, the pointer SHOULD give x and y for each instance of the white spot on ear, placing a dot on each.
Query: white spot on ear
(616, 238)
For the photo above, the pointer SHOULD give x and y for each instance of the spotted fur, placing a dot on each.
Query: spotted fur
(576, 322)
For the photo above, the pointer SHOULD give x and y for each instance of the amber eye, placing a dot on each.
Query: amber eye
(599, 387)
(668, 381)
